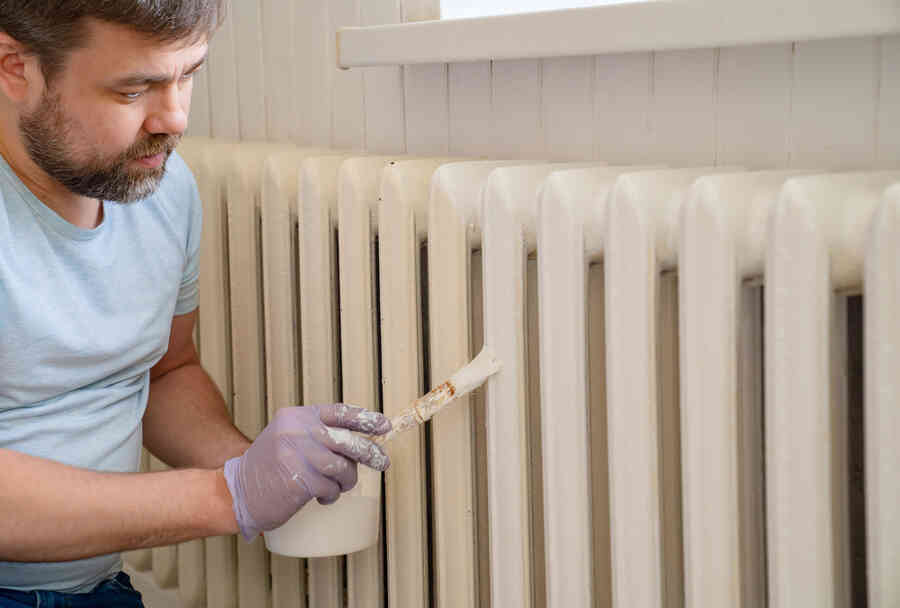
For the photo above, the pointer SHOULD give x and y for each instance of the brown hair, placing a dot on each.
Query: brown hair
(51, 29)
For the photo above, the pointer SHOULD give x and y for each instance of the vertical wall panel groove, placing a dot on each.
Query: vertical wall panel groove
(199, 123)
(348, 114)
(567, 107)
(248, 56)
(888, 119)
(425, 95)
(622, 105)
(279, 39)
(516, 109)
(315, 71)
(383, 88)
(683, 108)
(469, 112)
(752, 109)
(224, 112)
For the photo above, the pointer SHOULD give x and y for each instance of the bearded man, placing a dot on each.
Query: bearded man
(99, 236)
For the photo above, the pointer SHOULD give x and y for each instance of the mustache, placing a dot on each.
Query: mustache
(153, 145)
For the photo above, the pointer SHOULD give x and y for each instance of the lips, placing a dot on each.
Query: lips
(153, 161)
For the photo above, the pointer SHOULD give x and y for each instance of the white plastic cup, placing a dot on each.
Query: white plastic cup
(349, 525)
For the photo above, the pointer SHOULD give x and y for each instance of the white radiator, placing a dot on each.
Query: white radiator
(671, 424)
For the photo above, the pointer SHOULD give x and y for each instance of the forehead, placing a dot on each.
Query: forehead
(113, 50)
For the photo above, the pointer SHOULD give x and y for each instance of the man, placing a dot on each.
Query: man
(99, 237)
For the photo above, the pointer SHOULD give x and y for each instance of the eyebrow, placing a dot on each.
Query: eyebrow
(133, 80)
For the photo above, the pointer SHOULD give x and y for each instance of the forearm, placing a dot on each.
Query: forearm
(187, 424)
(54, 512)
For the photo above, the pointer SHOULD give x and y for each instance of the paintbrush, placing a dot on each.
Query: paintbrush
(464, 381)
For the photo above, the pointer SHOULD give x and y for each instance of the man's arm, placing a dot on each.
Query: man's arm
(186, 423)
(53, 512)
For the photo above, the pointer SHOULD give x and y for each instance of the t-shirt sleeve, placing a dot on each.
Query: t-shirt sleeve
(189, 292)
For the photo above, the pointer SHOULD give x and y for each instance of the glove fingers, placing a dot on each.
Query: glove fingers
(334, 466)
(356, 448)
(322, 486)
(354, 418)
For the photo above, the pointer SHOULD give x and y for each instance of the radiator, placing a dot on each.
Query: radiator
(674, 421)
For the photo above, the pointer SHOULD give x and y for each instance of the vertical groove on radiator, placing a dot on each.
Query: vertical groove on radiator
(750, 433)
(480, 499)
(376, 313)
(669, 451)
(856, 451)
(338, 381)
(535, 457)
(597, 428)
(428, 443)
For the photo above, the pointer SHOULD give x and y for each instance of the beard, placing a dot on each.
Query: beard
(45, 132)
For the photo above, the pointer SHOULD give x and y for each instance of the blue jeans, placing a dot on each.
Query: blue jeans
(114, 593)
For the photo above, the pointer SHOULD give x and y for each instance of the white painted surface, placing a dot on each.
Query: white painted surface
(816, 241)
(225, 119)
(318, 344)
(721, 406)
(509, 227)
(454, 230)
(348, 127)
(640, 241)
(359, 348)
(518, 131)
(849, 140)
(564, 206)
(764, 105)
(457, 9)
(248, 57)
(383, 88)
(887, 131)
(683, 117)
(567, 93)
(469, 95)
(614, 29)
(623, 100)
(402, 205)
(753, 104)
(425, 98)
(882, 389)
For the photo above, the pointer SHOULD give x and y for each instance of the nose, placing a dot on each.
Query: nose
(169, 114)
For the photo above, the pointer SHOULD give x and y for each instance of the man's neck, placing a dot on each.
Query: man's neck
(77, 210)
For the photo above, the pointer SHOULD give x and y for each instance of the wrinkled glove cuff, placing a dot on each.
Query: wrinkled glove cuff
(249, 528)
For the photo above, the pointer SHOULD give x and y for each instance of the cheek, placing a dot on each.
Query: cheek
(112, 131)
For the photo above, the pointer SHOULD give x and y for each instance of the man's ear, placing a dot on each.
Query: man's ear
(18, 69)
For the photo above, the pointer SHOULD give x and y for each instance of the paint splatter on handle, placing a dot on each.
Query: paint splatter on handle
(464, 381)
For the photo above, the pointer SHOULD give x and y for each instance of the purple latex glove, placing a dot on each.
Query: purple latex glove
(304, 453)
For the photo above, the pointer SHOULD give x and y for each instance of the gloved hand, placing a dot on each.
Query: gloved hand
(304, 452)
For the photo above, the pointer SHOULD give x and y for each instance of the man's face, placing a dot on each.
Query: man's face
(105, 126)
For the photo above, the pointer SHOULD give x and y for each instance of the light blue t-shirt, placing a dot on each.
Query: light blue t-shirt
(84, 315)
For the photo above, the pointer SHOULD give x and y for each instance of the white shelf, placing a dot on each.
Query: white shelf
(616, 28)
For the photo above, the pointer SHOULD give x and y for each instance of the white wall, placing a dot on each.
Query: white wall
(829, 104)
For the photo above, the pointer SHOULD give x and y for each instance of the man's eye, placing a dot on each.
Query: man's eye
(132, 96)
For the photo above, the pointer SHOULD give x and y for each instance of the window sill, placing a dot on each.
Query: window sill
(616, 28)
